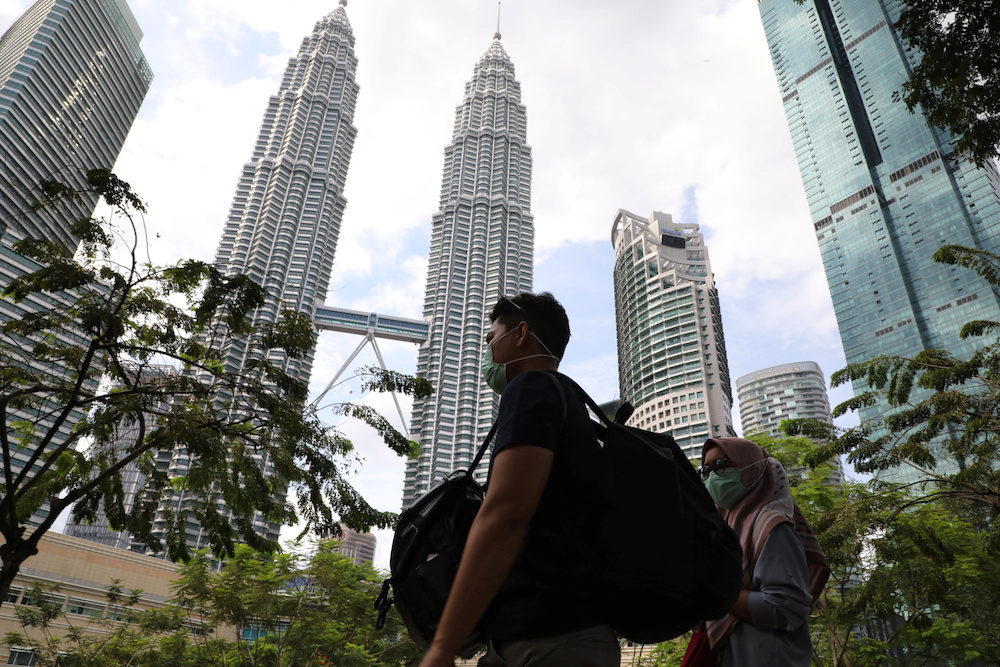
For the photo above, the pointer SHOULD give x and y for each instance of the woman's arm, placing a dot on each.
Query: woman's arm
(781, 599)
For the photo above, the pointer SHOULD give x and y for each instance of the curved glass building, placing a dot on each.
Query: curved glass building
(787, 391)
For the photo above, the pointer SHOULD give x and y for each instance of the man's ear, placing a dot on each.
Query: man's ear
(522, 334)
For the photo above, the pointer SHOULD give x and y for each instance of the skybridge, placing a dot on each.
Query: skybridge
(371, 326)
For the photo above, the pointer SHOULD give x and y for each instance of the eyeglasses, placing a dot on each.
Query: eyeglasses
(717, 466)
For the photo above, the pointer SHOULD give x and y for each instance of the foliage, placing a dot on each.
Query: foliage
(105, 369)
(260, 609)
(957, 80)
(906, 587)
(667, 654)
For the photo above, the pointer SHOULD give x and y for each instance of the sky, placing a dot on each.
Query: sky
(641, 105)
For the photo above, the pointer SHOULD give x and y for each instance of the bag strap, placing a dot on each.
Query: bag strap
(482, 450)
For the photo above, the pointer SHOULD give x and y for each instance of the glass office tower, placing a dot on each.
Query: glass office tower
(482, 247)
(884, 189)
(72, 79)
(672, 363)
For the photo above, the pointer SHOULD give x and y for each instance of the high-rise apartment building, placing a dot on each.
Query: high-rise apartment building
(672, 364)
(285, 218)
(787, 391)
(72, 78)
(884, 189)
(482, 245)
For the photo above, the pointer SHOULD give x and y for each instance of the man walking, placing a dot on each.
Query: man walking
(523, 575)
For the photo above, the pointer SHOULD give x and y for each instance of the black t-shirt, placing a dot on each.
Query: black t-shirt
(548, 591)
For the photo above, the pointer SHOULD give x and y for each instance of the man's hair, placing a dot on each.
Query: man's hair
(545, 317)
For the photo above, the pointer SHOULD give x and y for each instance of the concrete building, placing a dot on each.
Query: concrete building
(482, 247)
(72, 79)
(359, 546)
(885, 190)
(285, 218)
(83, 570)
(787, 391)
(672, 363)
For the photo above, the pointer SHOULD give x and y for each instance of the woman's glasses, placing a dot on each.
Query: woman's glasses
(717, 466)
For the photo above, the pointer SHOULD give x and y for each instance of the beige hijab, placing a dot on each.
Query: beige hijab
(768, 504)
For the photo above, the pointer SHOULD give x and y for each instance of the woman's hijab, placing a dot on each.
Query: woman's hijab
(768, 504)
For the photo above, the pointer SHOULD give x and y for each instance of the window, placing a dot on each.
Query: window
(21, 656)
(85, 608)
(13, 595)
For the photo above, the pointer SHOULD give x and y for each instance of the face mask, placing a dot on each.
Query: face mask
(726, 489)
(495, 373)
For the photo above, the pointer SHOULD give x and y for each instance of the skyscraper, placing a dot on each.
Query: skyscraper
(482, 245)
(284, 221)
(884, 189)
(672, 364)
(787, 391)
(72, 78)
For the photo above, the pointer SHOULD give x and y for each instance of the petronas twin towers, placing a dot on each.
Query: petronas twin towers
(482, 246)
(285, 220)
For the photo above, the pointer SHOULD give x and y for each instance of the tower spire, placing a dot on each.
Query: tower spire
(496, 35)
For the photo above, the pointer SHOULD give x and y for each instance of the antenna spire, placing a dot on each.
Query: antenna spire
(496, 35)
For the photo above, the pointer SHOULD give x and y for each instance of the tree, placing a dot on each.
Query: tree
(260, 609)
(906, 588)
(956, 78)
(80, 402)
(943, 417)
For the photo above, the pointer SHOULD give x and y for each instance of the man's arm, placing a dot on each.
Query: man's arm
(519, 475)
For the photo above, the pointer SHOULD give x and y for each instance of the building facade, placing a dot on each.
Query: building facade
(787, 391)
(83, 571)
(884, 189)
(672, 364)
(285, 218)
(72, 79)
(482, 247)
(358, 546)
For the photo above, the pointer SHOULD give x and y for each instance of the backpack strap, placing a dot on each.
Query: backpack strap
(591, 403)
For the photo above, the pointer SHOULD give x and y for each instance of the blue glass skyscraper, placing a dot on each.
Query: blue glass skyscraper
(885, 190)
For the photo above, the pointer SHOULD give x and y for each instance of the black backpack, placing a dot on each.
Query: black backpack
(426, 550)
(664, 559)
